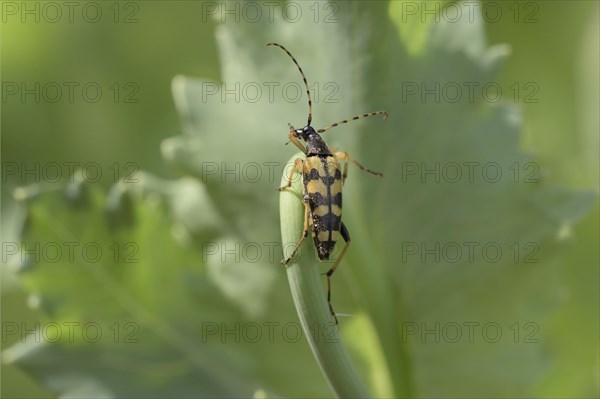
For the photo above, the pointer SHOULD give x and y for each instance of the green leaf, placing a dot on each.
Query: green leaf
(404, 293)
(146, 316)
(408, 305)
(385, 216)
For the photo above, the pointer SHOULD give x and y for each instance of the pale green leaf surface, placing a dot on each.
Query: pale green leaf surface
(161, 304)
(366, 56)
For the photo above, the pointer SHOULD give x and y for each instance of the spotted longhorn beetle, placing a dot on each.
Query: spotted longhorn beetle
(322, 180)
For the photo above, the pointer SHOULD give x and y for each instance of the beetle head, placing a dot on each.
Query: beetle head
(304, 133)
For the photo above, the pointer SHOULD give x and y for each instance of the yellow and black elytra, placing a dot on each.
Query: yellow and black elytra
(322, 180)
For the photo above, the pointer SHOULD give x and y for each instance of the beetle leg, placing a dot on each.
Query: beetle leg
(297, 167)
(344, 156)
(304, 232)
(294, 139)
(345, 173)
(346, 236)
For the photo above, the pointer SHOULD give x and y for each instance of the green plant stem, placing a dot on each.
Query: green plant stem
(310, 299)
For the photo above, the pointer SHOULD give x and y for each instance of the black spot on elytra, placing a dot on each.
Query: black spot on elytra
(317, 199)
(337, 199)
(329, 222)
(313, 175)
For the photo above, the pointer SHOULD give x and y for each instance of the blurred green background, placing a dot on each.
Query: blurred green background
(559, 53)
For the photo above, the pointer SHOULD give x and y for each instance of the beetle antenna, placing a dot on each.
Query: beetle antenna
(303, 78)
(385, 115)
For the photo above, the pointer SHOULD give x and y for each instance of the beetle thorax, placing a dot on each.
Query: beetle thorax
(315, 145)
